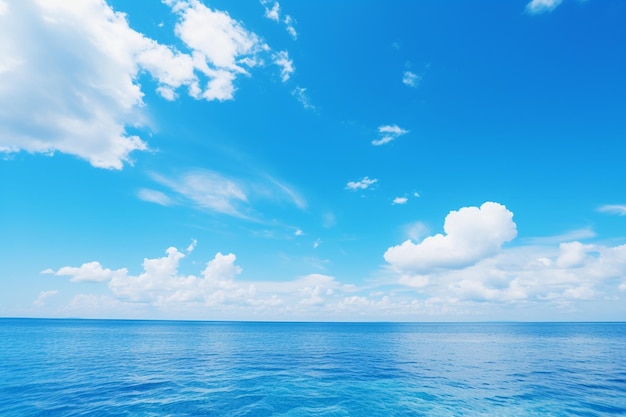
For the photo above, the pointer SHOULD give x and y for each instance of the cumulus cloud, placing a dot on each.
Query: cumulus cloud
(542, 6)
(363, 184)
(410, 78)
(388, 133)
(71, 72)
(88, 272)
(162, 286)
(471, 234)
(619, 209)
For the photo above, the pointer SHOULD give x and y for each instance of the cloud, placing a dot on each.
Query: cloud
(363, 184)
(411, 79)
(542, 6)
(272, 12)
(289, 25)
(211, 191)
(88, 272)
(471, 234)
(43, 295)
(619, 209)
(400, 200)
(153, 196)
(282, 60)
(160, 285)
(71, 72)
(298, 232)
(389, 133)
(568, 280)
(207, 190)
(300, 94)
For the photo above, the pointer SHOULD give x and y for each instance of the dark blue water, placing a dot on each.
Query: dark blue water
(143, 368)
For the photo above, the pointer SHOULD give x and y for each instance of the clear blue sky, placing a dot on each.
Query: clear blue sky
(360, 160)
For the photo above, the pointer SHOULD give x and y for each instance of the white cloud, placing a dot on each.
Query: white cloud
(300, 94)
(71, 70)
(153, 196)
(471, 234)
(289, 25)
(212, 191)
(271, 12)
(43, 295)
(363, 184)
(208, 190)
(411, 79)
(88, 272)
(282, 60)
(4, 7)
(298, 232)
(513, 284)
(542, 6)
(389, 133)
(619, 209)
(191, 246)
(400, 200)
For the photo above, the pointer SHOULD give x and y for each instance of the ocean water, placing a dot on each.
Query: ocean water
(160, 368)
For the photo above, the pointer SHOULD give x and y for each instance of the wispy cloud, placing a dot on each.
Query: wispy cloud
(388, 133)
(301, 95)
(363, 184)
(619, 209)
(43, 295)
(282, 60)
(272, 12)
(154, 196)
(400, 200)
(542, 6)
(411, 79)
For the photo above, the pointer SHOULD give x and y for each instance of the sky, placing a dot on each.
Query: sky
(302, 161)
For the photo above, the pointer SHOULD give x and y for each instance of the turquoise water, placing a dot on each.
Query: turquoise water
(158, 368)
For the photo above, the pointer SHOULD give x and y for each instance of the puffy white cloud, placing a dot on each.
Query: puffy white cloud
(389, 133)
(88, 272)
(471, 234)
(410, 78)
(619, 209)
(542, 6)
(363, 184)
(70, 70)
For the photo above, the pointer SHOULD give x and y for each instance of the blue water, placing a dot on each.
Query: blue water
(144, 368)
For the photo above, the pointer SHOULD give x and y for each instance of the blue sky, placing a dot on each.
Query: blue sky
(413, 161)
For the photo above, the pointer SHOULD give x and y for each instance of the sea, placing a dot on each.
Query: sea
(58, 367)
